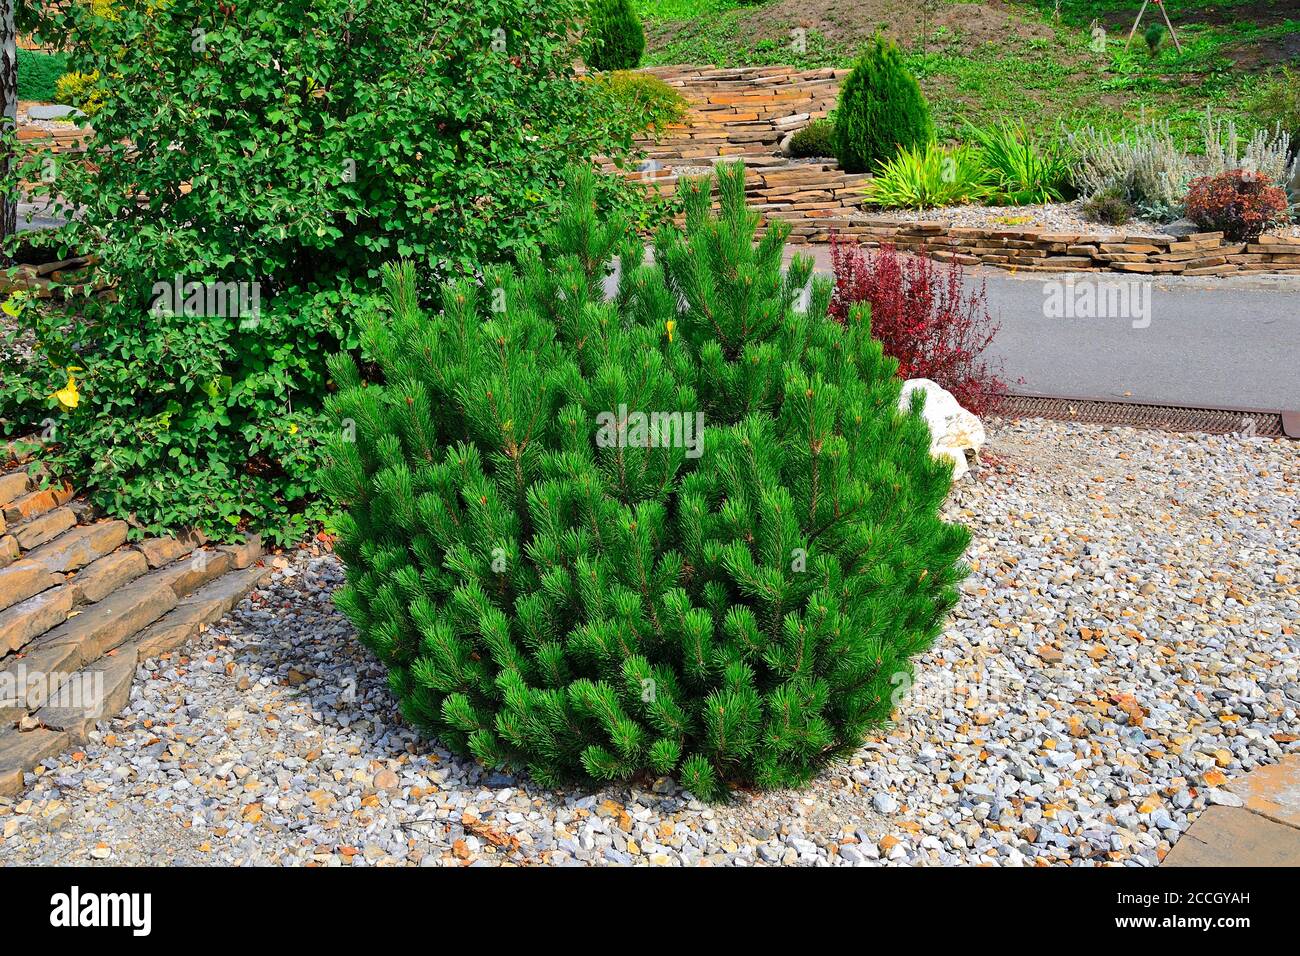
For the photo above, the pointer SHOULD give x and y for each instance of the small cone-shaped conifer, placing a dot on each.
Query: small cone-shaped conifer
(563, 572)
(881, 109)
(615, 37)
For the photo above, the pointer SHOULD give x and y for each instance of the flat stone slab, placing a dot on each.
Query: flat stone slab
(44, 528)
(205, 606)
(53, 111)
(9, 550)
(105, 625)
(101, 578)
(37, 502)
(12, 485)
(1273, 792)
(32, 618)
(80, 546)
(28, 682)
(1235, 836)
(196, 569)
(22, 579)
(20, 752)
(95, 693)
(161, 551)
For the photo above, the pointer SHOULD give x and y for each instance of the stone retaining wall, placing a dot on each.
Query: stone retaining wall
(740, 112)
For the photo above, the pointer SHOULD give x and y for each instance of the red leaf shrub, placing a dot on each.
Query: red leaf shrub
(924, 316)
(1239, 202)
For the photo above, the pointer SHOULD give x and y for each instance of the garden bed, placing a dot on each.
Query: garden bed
(1124, 649)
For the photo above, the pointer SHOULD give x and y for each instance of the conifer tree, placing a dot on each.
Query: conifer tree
(557, 586)
(881, 109)
(615, 37)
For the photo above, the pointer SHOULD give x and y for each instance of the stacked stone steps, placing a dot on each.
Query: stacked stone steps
(740, 112)
(82, 605)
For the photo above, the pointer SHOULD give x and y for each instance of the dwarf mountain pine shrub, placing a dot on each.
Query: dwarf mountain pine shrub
(563, 573)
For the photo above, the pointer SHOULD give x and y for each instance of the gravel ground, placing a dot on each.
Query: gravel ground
(1126, 645)
(1065, 217)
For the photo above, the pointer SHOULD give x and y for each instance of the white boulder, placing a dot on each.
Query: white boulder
(953, 430)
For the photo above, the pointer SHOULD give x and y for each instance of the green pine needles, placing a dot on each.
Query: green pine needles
(881, 109)
(564, 574)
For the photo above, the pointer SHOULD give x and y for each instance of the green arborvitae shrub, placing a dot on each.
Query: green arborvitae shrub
(815, 139)
(881, 109)
(615, 39)
(553, 591)
(38, 73)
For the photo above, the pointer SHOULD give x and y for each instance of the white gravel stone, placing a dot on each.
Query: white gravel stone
(1127, 636)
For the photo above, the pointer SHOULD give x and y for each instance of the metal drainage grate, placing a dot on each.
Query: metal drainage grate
(1212, 421)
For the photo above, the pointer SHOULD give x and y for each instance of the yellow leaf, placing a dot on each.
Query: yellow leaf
(68, 396)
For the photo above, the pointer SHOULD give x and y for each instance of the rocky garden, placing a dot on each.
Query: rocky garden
(574, 433)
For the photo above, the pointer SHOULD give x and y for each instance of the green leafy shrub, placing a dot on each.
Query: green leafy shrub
(1276, 104)
(881, 109)
(815, 139)
(641, 99)
(1027, 170)
(1110, 207)
(38, 73)
(287, 148)
(82, 90)
(615, 39)
(930, 177)
(554, 587)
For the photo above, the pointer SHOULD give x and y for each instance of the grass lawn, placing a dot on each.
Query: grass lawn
(984, 62)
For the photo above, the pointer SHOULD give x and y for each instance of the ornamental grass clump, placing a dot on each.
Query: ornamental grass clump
(683, 529)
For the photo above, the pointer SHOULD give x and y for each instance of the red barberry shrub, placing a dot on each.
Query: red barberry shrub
(925, 316)
(1240, 203)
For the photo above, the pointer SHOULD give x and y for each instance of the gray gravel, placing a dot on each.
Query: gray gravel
(1127, 645)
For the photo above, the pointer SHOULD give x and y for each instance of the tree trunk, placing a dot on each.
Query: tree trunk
(9, 99)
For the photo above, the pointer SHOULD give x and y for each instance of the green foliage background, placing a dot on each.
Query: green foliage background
(38, 72)
(615, 39)
(297, 144)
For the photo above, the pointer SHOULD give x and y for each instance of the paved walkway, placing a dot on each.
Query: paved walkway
(1263, 830)
(1208, 342)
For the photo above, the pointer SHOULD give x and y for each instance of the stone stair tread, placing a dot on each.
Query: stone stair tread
(22, 579)
(186, 575)
(101, 577)
(97, 692)
(40, 671)
(45, 527)
(161, 551)
(21, 752)
(29, 619)
(12, 486)
(80, 545)
(9, 550)
(103, 626)
(204, 607)
(36, 502)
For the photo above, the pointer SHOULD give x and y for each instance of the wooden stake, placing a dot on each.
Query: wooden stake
(1135, 24)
